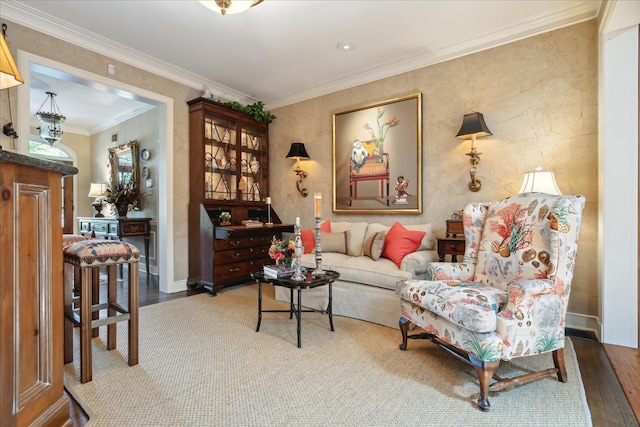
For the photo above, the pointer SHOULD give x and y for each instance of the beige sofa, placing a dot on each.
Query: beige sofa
(366, 287)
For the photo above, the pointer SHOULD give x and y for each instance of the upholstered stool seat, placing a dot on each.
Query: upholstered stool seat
(68, 239)
(87, 257)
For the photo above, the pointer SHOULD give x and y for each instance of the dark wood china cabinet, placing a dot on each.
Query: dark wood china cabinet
(228, 186)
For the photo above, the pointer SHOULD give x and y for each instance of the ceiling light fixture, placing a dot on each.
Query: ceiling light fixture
(345, 46)
(230, 7)
(50, 121)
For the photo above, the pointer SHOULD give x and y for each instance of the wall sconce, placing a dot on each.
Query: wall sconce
(97, 190)
(540, 181)
(297, 151)
(473, 126)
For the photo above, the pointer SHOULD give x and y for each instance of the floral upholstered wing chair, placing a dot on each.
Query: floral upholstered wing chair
(508, 298)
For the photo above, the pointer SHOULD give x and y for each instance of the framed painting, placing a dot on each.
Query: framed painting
(377, 157)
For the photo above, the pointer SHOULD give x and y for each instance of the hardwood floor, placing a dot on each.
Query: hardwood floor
(611, 374)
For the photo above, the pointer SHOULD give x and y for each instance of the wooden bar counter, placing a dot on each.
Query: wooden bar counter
(31, 292)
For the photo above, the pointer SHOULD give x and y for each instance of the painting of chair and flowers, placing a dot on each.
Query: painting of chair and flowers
(376, 154)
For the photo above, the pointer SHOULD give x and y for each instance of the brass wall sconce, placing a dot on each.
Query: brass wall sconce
(297, 151)
(473, 126)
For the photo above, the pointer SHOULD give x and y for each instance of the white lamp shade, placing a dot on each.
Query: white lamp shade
(540, 181)
(97, 189)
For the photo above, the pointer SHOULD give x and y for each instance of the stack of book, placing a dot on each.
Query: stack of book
(277, 272)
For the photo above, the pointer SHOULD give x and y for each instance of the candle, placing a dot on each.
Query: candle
(268, 200)
(318, 204)
(297, 220)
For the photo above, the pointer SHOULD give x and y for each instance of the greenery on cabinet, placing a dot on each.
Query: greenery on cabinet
(256, 109)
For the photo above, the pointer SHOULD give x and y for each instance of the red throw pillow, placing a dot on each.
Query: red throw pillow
(308, 236)
(399, 242)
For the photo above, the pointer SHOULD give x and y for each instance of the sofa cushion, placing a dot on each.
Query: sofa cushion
(400, 242)
(308, 236)
(335, 242)
(470, 305)
(429, 238)
(427, 243)
(373, 245)
(356, 240)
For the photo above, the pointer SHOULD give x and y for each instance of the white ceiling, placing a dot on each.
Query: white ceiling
(280, 51)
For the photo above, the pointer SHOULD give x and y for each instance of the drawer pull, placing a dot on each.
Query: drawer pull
(233, 270)
(235, 256)
(236, 243)
(453, 248)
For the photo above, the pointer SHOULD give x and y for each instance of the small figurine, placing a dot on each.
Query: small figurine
(401, 190)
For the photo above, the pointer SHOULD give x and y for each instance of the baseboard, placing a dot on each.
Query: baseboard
(177, 286)
(583, 322)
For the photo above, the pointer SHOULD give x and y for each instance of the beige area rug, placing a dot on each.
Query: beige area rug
(203, 364)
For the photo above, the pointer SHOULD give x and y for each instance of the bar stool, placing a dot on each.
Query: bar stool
(87, 257)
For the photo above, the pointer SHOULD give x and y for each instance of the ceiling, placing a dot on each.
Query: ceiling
(280, 51)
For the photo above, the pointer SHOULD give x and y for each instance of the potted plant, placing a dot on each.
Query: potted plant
(124, 198)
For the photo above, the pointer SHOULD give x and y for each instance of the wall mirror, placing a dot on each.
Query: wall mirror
(123, 161)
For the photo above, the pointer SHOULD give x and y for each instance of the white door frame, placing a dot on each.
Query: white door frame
(165, 149)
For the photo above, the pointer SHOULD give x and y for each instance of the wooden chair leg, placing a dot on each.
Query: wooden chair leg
(558, 361)
(133, 312)
(95, 298)
(112, 298)
(404, 329)
(68, 312)
(485, 372)
(85, 326)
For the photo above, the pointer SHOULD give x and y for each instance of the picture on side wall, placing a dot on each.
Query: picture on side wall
(377, 157)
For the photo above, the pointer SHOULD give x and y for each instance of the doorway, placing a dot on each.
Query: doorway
(164, 104)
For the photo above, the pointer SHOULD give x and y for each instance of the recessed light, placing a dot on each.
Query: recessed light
(345, 46)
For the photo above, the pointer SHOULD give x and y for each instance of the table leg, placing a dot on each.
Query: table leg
(291, 303)
(259, 304)
(330, 306)
(299, 316)
(146, 254)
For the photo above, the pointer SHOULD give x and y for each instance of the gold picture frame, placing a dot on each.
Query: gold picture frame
(377, 157)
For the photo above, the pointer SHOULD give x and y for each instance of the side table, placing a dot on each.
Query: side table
(309, 283)
(453, 246)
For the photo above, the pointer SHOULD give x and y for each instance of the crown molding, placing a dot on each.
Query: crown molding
(27, 16)
(517, 31)
(31, 18)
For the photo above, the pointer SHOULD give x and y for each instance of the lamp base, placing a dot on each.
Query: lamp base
(98, 208)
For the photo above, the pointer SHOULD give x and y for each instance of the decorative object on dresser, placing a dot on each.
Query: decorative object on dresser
(454, 227)
(117, 229)
(297, 152)
(228, 172)
(473, 126)
(97, 191)
(31, 291)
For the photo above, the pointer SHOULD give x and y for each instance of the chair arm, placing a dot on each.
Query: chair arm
(451, 271)
(418, 262)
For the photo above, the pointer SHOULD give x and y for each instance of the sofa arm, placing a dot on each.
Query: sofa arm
(417, 262)
(451, 271)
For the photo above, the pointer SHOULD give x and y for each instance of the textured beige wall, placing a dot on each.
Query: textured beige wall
(34, 42)
(539, 99)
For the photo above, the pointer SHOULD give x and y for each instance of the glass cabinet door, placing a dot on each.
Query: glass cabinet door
(220, 171)
(253, 160)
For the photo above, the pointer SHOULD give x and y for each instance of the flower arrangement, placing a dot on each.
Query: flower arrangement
(282, 251)
(383, 129)
(116, 193)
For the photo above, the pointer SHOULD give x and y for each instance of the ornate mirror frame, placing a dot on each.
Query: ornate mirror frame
(115, 153)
